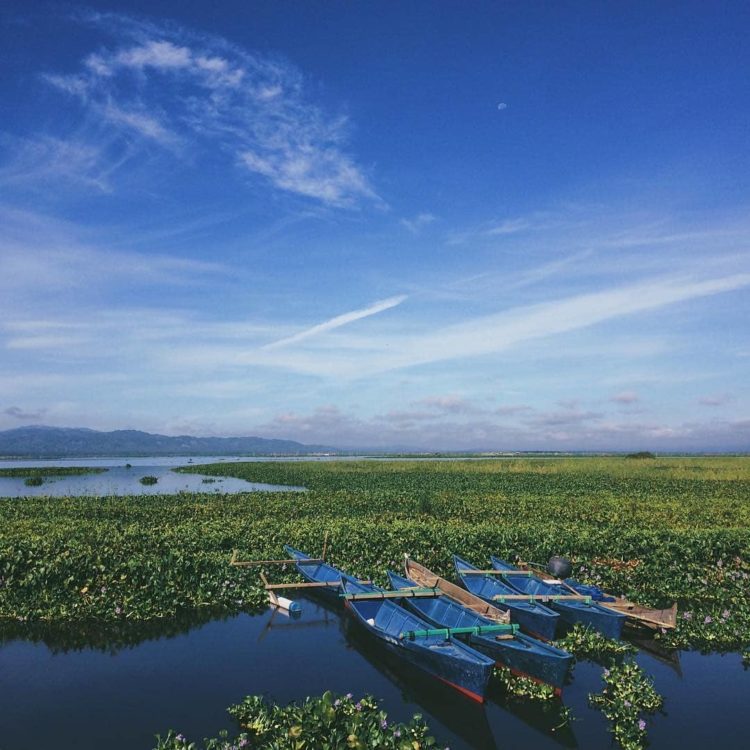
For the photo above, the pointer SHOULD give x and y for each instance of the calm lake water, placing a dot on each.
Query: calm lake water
(119, 695)
(120, 480)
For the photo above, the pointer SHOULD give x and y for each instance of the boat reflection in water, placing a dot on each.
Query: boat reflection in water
(465, 718)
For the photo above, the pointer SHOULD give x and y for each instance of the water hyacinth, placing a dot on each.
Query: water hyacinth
(157, 560)
(627, 694)
(336, 723)
(585, 643)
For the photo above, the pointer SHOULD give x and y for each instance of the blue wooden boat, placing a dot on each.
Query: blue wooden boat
(316, 571)
(534, 618)
(412, 638)
(521, 653)
(606, 621)
(443, 657)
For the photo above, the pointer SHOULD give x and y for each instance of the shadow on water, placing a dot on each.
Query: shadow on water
(545, 718)
(461, 715)
(74, 684)
(464, 717)
(109, 638)
(646, 644)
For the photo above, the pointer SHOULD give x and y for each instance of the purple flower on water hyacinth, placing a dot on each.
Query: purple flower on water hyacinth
(396, 733)
(719, 563)
(358, 706)
(725, 614)
(687, 615)
(181, 738)
(708, 620)
(244, 742)
(118, 610)
(336, 703)
(641, 725)
(384, 724)
(628, 704)
(349, 696)
(606, 673)
(104, 589)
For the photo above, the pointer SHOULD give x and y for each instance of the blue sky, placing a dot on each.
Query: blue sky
(421, 225)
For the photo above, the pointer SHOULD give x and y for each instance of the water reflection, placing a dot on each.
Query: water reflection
(646, 644)
(109, 638)
(461, 715)
(73, 683)
(124, 480)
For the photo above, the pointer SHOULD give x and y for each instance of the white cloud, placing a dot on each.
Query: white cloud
(418, 222)
(141, 123)
(174, 87)
(45, 161)
(338, 321)
(497, 332)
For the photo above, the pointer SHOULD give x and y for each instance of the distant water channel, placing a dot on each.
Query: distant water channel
(57, 691)
(120, 480)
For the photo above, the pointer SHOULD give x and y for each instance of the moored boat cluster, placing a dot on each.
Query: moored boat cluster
(505, 615)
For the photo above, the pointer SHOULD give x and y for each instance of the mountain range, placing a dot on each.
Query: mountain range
(67, 442)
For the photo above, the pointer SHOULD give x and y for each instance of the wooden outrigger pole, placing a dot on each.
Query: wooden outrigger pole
(636, 613)
(271, 588)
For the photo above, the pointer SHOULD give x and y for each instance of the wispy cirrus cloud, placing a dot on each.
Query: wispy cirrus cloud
(418, 222)
(48, 161)
(338, 321)
(185, 91)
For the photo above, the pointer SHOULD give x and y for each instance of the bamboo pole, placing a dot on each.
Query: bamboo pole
(400, 594)
(271, 596)
(314, 584)
(493, 572)
(541, 598)
(250, 563)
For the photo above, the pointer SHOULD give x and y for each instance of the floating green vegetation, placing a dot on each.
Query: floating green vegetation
(336, 723)
(655, 531)
(50, 471)
(148, 480)
(585, 643)
(628, 694)
(34, 481)
(522, 687)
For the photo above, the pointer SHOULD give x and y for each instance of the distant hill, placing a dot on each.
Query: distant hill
(66, 442)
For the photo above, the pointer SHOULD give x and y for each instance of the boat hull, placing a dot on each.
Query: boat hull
(446, 659)
(592, 615)
(535, 619)
(520, 653)
(317, 572)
